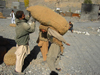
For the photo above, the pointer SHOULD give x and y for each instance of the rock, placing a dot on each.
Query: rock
(10, 57)
(98, 30)
(87, 33)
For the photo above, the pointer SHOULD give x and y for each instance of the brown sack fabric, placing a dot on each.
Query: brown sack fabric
(12, 25)
(10, 57)
(49, 18)
(43, 27)
(1, 16)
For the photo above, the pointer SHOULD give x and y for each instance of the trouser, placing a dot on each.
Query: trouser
(44, 48)
(53, 57)
(21, 52)
(12, 20)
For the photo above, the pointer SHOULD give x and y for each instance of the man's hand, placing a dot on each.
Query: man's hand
(67, 44)
(43, 30)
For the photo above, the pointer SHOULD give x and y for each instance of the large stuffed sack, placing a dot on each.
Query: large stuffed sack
(1, 16)
(49, 18)
(10, 57)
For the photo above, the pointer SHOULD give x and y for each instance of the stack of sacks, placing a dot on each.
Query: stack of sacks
(1, 16)
(10, 57)
(49, 18)
(3, 49)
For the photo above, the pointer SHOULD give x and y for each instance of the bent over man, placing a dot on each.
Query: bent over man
(43, 41)
(55, 50)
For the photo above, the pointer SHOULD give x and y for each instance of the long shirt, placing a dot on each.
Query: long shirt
(55, 34)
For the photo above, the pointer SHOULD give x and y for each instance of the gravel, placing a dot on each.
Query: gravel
(34, 66)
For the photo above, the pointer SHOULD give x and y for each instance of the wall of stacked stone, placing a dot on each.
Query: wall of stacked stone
(9, 2)
(65, 5)
(89, 11)
(15, 5)
(2, 3)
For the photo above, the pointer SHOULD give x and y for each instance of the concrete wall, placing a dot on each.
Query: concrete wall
(89, 11)
(14, 6)
(67, 2)
(65, 5)
(2, 3)
(9, 2)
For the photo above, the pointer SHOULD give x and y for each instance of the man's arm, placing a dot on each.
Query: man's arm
(29, 27)
(55, 34)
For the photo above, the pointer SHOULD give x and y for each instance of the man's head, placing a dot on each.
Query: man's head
(43, 30)
(12, 10)
(70, 22)
(20, 15)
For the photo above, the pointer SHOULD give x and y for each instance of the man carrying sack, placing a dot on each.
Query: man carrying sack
(54, 52)
(57, 26)
(43, 41)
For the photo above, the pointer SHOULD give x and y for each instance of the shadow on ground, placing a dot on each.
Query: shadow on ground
(5, 45)
(33, 55)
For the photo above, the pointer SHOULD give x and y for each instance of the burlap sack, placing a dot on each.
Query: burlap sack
(2, 52)
(1, 16)
(43, 27)
(12, 25)
(10, 57)
(49, 18)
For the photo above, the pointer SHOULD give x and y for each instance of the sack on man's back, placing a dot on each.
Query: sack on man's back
(48, 17)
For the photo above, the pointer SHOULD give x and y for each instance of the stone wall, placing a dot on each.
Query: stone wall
(2, 3)
(89, 11)
(65, 5)
(9, 2)
(12, 5)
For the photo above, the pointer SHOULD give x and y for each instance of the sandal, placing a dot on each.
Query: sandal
(58, 69)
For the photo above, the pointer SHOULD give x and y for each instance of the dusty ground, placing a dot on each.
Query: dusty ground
(81, 58)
